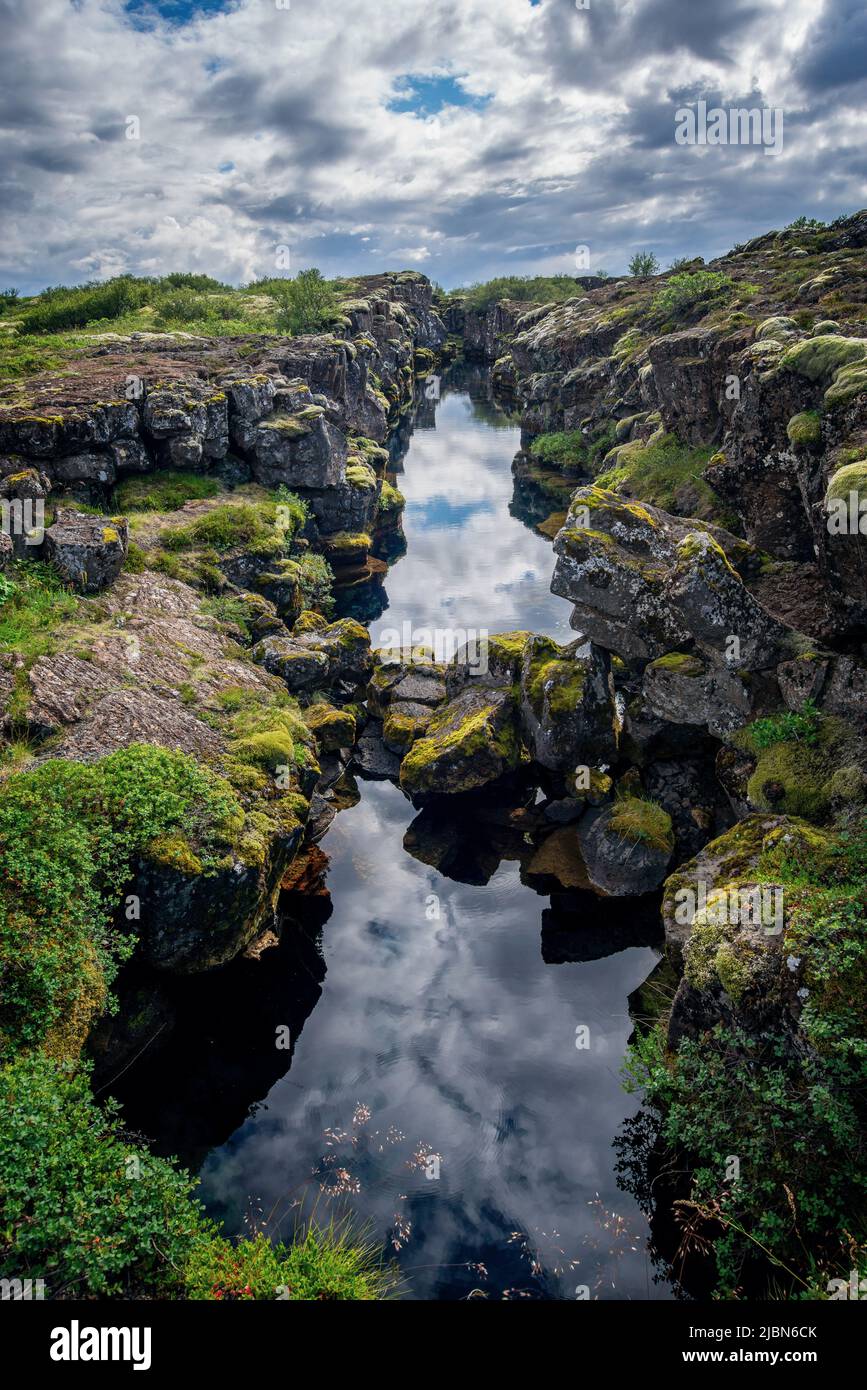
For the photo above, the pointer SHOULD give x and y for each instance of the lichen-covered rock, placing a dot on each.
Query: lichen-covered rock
(732, 857)
(87, 551)
(339, 652)
(334, 728)
(470, 742)
(683, 688)
(567, 704)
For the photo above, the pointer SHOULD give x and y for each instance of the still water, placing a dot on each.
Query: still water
(434, 1087)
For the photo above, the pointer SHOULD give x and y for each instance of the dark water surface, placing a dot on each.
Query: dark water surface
(435, 1087)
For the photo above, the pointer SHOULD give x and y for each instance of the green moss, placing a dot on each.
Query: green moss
(174, 851)
(805, 430)
(680, 664)
(795, 775)
(851, 478)
(559, 684)
(848, 383)
(390, 499)
(347, 545)
(819, 358)
(361, 475)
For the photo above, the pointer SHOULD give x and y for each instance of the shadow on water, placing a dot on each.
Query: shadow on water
(456, 1021)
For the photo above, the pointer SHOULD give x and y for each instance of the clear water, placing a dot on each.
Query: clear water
(435, 1088)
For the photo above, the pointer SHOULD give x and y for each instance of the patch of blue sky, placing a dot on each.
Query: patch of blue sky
(145, 13)
(426, 94)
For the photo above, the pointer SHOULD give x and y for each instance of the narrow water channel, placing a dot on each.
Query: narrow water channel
(434, 1088)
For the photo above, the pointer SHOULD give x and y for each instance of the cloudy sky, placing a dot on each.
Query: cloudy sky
(465, 138)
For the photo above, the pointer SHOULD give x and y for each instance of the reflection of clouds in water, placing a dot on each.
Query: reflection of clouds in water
(455, 1032)
(468, 562)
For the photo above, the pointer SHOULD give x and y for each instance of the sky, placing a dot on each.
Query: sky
(462, 138)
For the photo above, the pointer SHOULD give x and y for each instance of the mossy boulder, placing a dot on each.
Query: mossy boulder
(470, 742)
(334, 728)
(795, 775)
(567, 703)
(627, 846)
(405, 721)
(320, 657)
(731, 858)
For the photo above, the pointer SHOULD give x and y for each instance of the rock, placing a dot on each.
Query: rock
(567, 704)
(682, 688)
(405, 721)
(371, 757)
(298, 451)
(87, 551)
(626, 847)
(334, 728)
(469, 742)
(321, 658)
(732, 857)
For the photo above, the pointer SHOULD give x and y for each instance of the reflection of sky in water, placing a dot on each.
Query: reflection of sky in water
(469, 564)
(457, 1034)
(454, 1032)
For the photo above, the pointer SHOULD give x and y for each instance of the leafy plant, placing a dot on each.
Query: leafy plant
(684, 292)
(789, 727)
(644, 263)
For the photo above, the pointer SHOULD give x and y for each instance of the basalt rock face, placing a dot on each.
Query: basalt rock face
(757, 358)
(280, 411)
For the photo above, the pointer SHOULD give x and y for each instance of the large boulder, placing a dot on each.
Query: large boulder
(321, 658)
(87, 551)
(470, 742)
(567, 704)
(626, 846)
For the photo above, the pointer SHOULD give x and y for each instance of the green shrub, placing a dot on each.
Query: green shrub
(566, 449)
(794, 1115)
(788, 727)
(64, 308)
(79, 1207)
(73, 831)
(685, 292)
(97, 1216)
(308, 303)
(644, 263)
(536, 289)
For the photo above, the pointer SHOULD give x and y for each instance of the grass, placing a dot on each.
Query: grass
(46, 331)
(666, 474)
(642, 821)
(162, 492)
